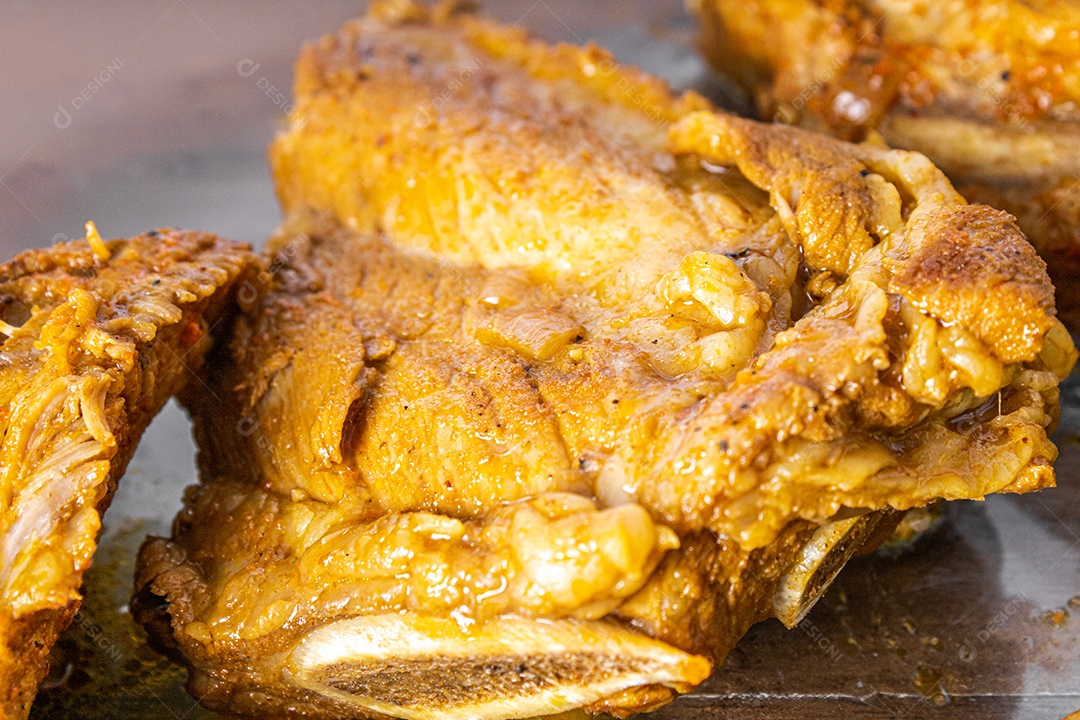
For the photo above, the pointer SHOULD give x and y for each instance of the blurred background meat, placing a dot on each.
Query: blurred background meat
(988, 90)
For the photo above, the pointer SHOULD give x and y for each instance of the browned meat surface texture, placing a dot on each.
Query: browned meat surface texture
(95, 339)
(555, 383)
(990, 91)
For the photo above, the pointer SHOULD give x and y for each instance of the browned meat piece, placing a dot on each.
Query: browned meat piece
(558, 383)
(990, 91)
(95, 339)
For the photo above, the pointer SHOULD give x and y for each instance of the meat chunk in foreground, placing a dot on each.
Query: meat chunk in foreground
(557, 383)
(95, 339)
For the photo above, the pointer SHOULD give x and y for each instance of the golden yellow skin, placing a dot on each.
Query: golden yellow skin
(582, 176)
(92, 339)
(517, 276)
(987, 90)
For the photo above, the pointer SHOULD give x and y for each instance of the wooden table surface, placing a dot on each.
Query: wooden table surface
(141, 115)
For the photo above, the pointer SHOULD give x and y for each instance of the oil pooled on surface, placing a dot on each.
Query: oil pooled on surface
(103, 667)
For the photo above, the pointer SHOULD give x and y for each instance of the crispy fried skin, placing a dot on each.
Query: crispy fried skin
(93, 348)
(989, 91)
(532, 323)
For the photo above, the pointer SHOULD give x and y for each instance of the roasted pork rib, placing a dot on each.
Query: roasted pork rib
(557, 383)
(95, 340)
(990, 91)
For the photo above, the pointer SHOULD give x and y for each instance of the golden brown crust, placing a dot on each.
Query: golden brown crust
(978, 272)
(33, 636)
(93, 347)
(1049, 218)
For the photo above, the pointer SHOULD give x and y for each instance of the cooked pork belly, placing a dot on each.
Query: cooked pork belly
(556, 383)
(96, 337)
(990, 91)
